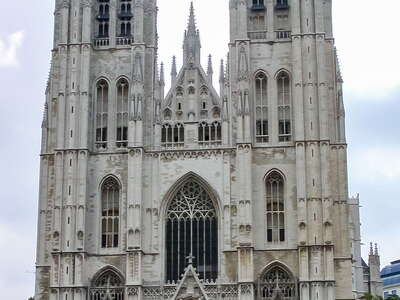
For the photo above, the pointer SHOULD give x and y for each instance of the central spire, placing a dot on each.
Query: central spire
(191, 44)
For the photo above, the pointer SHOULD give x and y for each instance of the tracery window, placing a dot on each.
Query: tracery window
(261, 108)
(107, 286)
(284, 107)
(191, 230)
(101, 114)
(277, 284)
(103, 18)
(275, 207)
(110, 213)
(173, 135)
(122, 113)
(125, 16)
(210, 134)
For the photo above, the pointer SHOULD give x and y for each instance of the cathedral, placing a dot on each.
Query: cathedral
(196, 192)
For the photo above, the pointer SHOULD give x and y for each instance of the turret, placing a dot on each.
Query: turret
(173, 70)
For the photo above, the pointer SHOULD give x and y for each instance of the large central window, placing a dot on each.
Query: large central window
(191, 230)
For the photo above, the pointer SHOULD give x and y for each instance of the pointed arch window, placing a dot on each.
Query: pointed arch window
(275, 207)
(210, 134)
(284, 107)
(108, 285)
(103, 18)
(191, 230)
(102, 95)
(122, 113)
(110, 192)
(261, 108)
(173, 135)
(276, 284)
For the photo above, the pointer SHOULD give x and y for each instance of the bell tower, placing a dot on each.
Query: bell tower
(286, 94)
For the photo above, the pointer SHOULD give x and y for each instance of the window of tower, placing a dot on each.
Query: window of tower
(261, 108)
(102, 95)
(258, 5)
(276, 279)
(122, 113)
(103, 18)
(284, 107)
(191, 90)
(110, 192)
(191, 230)
(125, 16)
(275, 207)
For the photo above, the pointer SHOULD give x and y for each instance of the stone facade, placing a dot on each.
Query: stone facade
(268, 152)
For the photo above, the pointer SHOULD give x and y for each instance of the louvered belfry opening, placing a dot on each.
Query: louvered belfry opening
(191, 230)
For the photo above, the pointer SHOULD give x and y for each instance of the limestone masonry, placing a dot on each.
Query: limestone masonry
(235, 192)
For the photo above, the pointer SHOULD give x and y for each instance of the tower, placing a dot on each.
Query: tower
(193, 194)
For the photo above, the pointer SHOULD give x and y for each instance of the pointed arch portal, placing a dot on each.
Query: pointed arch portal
(191, 230)
(107, 285)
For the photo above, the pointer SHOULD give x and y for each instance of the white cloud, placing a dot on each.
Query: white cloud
(376, 164)
(8, 50)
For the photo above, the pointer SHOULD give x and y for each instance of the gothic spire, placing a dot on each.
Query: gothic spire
(191, 30)
(210, 70)
(222, 72)
(174, 73)
(191, 45)
(162, 76)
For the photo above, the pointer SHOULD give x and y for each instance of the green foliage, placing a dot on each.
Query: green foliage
(393, 297)
(31, 298)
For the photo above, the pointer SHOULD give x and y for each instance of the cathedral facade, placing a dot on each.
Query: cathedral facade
(239, 192)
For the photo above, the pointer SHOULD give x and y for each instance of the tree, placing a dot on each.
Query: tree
(393, 297)
(368, 296)
(31, 298)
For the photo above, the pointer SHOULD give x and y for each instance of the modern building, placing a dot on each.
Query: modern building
(194, 193)
(390, 276)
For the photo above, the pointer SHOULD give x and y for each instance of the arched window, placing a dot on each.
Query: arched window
(277, 284)
(110, 213)
(284, 107)
(210, 134)
(275, 207)
(122, 113)
(191, 90)
(101, 114)
(261, 108)
(191, 230)
(107, 286)
(173, 136)
(103, 18)
(179, 91)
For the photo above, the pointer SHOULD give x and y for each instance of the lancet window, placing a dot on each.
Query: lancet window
(284, 107)
(122, 113)
(102, 96)
(110, 212)
(210, 134)
(261, 108)
(107, 286)
(125, 16)
(191, 230)
(173, 135)
(103, 18)
(275, 207)
(276, 284)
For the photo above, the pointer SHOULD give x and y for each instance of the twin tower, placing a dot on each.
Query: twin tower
(194, 193)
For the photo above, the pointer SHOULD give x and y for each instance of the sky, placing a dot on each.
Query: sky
(366, 38)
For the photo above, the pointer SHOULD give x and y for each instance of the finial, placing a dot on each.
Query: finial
(162, 77)
(222, 72)
(192, 21)
(190, 259)
(210, 67)
(376, 249)
(173, 68)
(371, 249)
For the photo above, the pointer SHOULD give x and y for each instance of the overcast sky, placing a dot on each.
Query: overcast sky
(367, 39)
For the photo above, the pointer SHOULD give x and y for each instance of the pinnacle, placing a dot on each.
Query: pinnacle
(192, 21)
